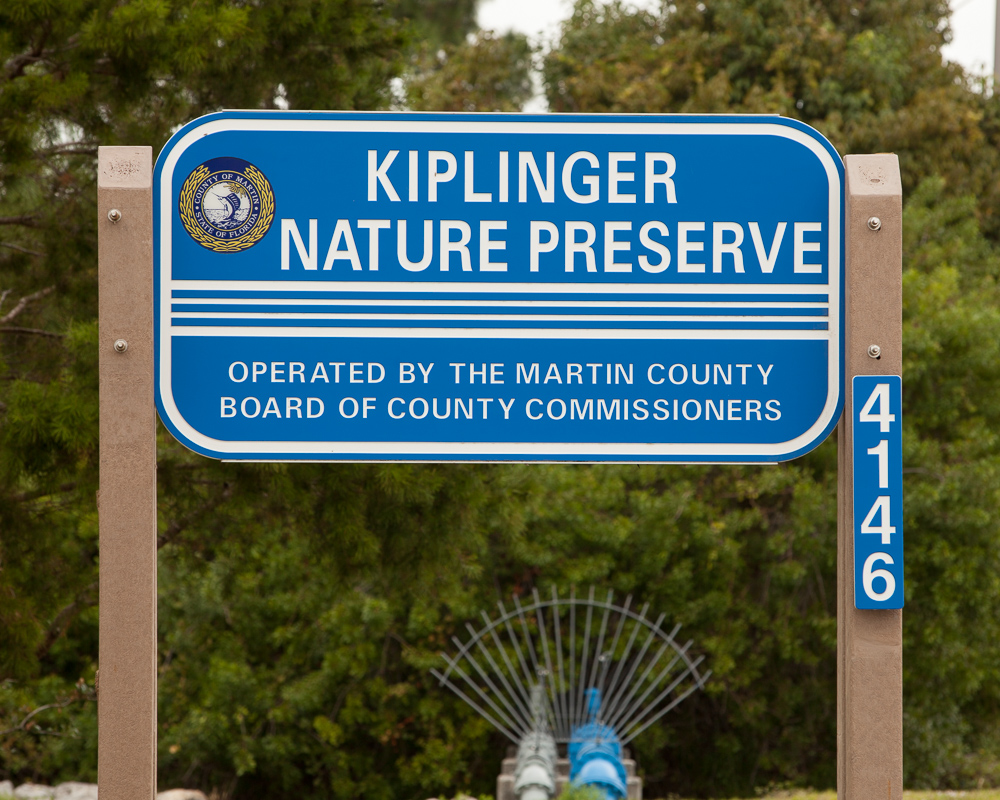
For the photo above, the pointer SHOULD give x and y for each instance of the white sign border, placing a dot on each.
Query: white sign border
(602, 452)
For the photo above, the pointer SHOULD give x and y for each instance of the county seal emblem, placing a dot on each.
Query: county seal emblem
(227, 205)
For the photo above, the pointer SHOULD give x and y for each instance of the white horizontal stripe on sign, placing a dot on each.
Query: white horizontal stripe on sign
(285, 301)
(488, 317)
(499, 333)
(498, 288)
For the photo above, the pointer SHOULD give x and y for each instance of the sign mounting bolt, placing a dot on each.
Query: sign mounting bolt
(114, 215)
(874, 224)
(120, 345)
(874, 351)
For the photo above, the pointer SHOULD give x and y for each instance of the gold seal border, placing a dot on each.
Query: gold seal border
(247, 240)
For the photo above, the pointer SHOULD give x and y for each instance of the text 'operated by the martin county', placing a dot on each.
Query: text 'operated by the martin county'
(485, 383)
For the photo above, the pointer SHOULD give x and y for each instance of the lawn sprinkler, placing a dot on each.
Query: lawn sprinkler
(571, 681)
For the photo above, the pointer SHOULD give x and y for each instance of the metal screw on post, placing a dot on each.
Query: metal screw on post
(874, 351)
(120, 345)
(874, 224)
(114, 215)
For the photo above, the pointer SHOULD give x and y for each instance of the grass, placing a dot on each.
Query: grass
(982, 794)
(805, 794)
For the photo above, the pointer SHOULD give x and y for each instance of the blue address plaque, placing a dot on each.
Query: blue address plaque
(878, 491)
(350, 286)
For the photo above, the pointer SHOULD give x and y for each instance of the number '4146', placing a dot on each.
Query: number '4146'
(878, 491)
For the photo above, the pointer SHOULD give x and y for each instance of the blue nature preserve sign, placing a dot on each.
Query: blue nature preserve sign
(428, 287)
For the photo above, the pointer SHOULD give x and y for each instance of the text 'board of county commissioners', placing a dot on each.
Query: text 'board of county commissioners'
(509, 287)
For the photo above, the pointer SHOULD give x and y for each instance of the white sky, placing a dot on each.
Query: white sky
(533, 17)
(972, 22)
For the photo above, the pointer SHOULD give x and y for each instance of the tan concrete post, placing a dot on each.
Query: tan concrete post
(869, 643)
(126, 738)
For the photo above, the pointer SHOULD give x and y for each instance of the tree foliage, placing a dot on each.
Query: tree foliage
(438, 22)
(486, 73)
(302, 606)
(868, 75)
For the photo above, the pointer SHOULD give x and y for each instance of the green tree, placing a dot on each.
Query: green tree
(260, 693)
(77, 74)
(302, 606)
(438, 22)
(871, 78)
(868, 75)
(299, 622)
(486, 73)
